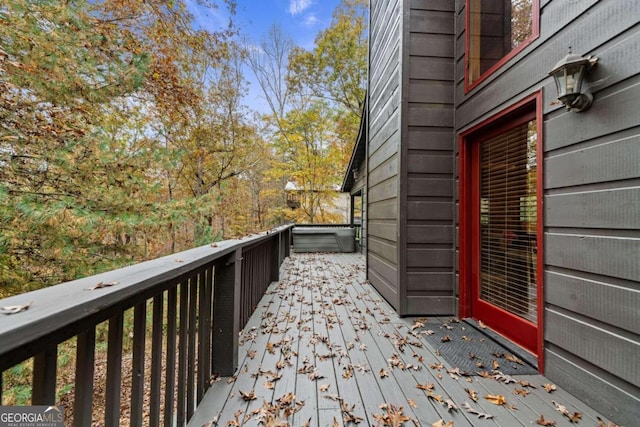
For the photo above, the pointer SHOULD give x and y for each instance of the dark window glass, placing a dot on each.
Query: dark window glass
(496, 27)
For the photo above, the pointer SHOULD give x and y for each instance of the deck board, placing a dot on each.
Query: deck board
(323, 314)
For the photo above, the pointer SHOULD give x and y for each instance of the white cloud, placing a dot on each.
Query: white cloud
(310, 20)
(299, 6)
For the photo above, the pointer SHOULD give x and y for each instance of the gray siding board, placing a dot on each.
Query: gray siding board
(438, 234)
(419, 210)
(596, 389)
(435, 45)
(446, 5)
(386, 170)
(599, 346)
(431, 92)
(440, 282)
(430, 187)
(430, 21)
(585, 253)
(614, 158)
(383, 190)
(421, 257)
(430, 68)
(595, 297)
(617, 208)
(383, 210)
(609, 113)
(383, 249)
(379, 118)
(388, 231)
(430, 305)
(437, 163)
(435, 114)
(429, 139)
(388, 139)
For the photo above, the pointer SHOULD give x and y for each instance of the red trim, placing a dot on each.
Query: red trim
(526, 334)
(535, 33)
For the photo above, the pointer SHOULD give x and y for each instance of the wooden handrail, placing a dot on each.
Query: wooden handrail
(197, 301)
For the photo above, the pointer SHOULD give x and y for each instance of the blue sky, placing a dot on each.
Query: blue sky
(300, 19)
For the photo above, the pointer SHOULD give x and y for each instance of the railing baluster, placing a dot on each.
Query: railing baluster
(170, 371)
(226, 314)
(204, 333)
(85, 360)
(137, 381)
(44, 376)
(156, 360)
(191, 361)
(182, 352)
(114, 372)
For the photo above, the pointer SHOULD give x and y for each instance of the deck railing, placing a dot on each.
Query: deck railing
(178, 316)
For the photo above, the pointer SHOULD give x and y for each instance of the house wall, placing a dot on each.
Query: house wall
(383, 151)
(427, 166)
(359, 187)
(591, 194)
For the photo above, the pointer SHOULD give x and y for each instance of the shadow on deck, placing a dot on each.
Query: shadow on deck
(324, 349)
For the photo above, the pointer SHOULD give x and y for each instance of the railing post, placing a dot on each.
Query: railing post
(226, 314)
(44, 376)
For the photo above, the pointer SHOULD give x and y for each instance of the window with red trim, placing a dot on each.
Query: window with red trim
(497, 30)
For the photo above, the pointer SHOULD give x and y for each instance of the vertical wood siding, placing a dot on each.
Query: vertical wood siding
(427, 276)
(383, 147)
(591, 195)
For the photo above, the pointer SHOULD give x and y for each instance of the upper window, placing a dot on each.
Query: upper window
(497, 30)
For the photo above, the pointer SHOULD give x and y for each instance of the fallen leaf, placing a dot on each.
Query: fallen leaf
(335, 422)
(417, 325)
(394, 416)
(384, 373)
(251, 354)
(495, 365)
(549, 387)
(13, 309)
(425, 386)
(451, 406)
(524, 383)
(441, 423)
(522, 392)
(507, 379)
(445, 338)
(542, 422)
(101, 285)
(269, 385)
(248, 395)
(514, 359)
(471, 410)
(324, 387)
(481, 325)
(496, 399)
(472, 394)
(573, 417)
(601, 423)
(412, 403)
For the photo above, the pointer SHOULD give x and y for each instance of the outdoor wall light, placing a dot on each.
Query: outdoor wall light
(569, 75)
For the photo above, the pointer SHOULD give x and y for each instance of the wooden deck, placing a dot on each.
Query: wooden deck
(323, 348)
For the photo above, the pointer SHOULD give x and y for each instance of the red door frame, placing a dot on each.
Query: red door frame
(526, 333)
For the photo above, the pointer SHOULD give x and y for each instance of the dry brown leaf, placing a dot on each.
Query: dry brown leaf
(426, 386)
(472, 394)
(417, 325)
(248, 395)
(514, 359)
(495, 365)
(271, 348)
(521, 392)
(436, 366)
(232, 379)
(412, 403)
(384, 373)
(101, 285)
(573, 417)
(335, 422)
(445, 338)
(251, 354)
(451, 406)
(549, 387)
(471, 410)
(13, 309)
(543, 422)
(524, 383)
(324, 387)
(481, 324)
(441, 423)
(394, 416)
(496, 399)
(602, 423)
(436, 397)
(269, 385)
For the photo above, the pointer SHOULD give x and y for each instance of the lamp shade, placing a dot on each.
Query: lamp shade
(568, 75)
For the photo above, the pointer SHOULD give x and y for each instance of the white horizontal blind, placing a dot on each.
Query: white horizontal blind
(508, 221)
